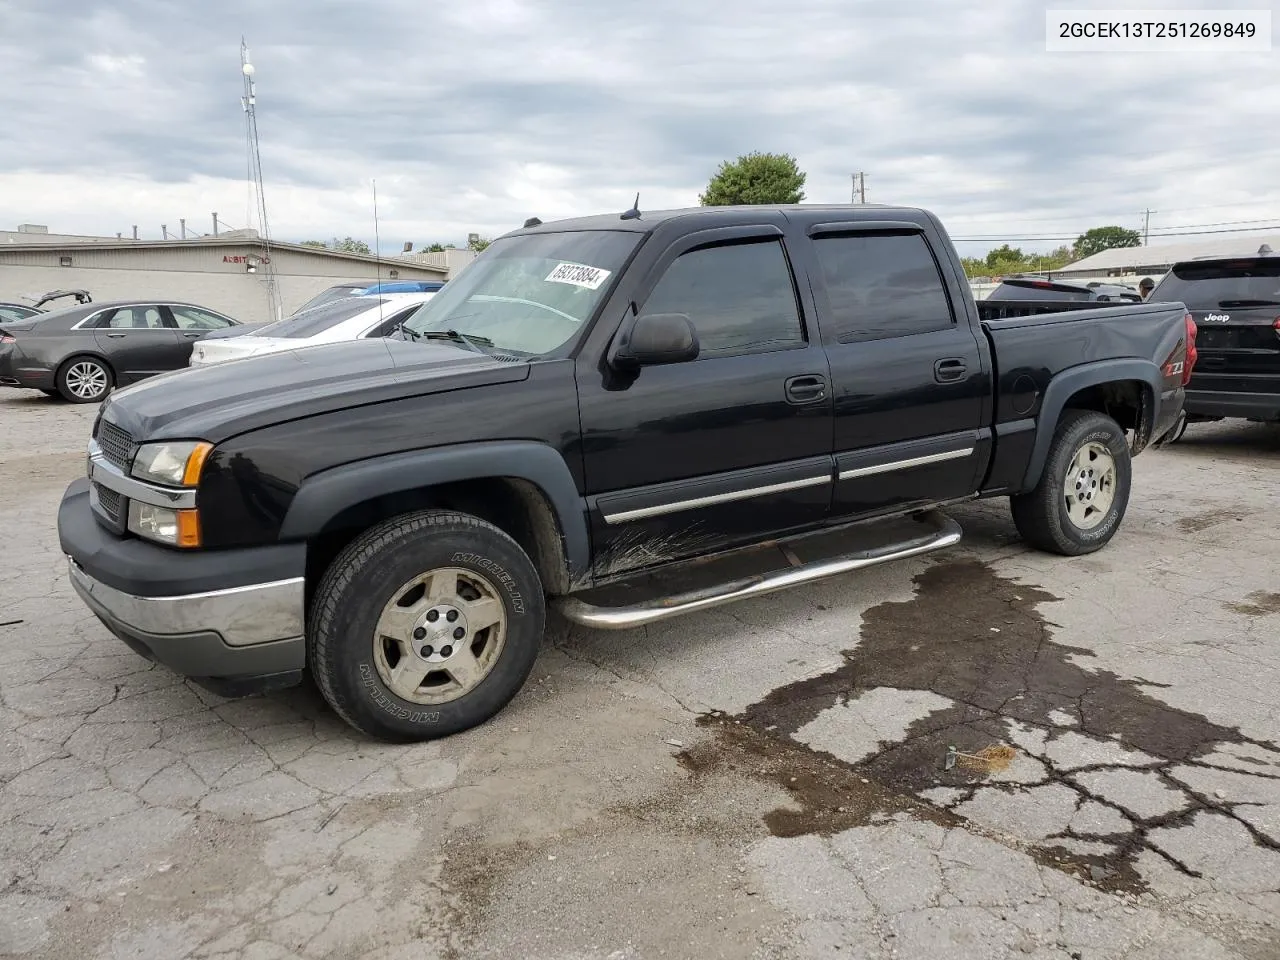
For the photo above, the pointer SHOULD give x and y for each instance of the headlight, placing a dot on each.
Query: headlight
(178, 528)
(176, 464)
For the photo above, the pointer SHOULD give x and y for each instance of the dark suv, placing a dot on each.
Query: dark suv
(1235, 302)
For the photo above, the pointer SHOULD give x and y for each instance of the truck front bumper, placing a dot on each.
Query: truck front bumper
(231, 620)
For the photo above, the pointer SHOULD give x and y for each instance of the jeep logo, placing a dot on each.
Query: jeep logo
(1217, 317)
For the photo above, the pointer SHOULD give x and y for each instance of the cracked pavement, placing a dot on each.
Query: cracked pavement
(765, 780)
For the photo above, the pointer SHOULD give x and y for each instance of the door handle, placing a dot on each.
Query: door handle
(949, 370)
(113, 335)
(806, 389)
(193, 336)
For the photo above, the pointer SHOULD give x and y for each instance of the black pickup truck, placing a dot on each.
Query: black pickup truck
(630, 417)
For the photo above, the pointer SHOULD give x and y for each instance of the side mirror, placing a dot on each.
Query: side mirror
(652, 339)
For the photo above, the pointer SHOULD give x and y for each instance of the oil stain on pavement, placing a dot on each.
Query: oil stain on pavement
(973, 646)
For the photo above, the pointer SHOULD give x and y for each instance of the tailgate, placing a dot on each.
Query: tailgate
(1238, 341)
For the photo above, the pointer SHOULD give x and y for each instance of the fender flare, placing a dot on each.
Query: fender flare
(324, 495)
(1071, 381)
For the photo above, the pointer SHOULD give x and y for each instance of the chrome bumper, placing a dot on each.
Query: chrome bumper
(240, 616)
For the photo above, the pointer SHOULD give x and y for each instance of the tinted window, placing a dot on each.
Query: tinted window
(740, 298)
(1225, 284)
(882, 285)
(132, 318)
(193, 318)
(318, 319)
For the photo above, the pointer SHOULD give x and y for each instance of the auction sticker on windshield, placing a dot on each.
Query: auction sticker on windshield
(579, 275)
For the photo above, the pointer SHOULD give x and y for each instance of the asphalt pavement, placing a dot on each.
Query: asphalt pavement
(985, 753)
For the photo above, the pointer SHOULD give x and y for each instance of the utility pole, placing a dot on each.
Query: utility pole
(1146, 226)
(859, 188)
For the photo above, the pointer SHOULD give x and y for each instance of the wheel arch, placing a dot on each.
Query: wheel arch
(1128, 390)
(523, 487)
(85, 354)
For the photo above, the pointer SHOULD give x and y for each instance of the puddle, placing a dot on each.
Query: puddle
(980, 641)
(1257, 604)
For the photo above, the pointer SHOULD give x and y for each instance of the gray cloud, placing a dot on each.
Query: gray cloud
(474, 115)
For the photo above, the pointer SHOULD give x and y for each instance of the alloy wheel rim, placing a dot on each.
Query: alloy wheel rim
(87, 380)
(440, 635)
(1090, 485)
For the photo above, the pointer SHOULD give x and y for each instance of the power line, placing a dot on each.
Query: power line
(995, 238)
(1112, 214)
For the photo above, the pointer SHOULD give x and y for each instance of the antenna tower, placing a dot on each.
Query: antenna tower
(248, 101)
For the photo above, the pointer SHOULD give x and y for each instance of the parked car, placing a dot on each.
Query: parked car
(81, 352)
(352, 318)
(706, 403)
(1236, 305)
(1029, 289)
(16, 311)
(362, 289)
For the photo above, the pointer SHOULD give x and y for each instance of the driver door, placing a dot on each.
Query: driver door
(733, 447)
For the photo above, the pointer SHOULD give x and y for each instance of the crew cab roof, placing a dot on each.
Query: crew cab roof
(707, 218)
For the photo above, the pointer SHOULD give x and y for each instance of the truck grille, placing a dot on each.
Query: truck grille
(116, 445)
(111, 502)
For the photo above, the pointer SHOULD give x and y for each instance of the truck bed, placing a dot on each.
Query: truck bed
(1003, 309)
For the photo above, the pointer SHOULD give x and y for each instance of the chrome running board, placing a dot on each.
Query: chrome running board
(944, 532)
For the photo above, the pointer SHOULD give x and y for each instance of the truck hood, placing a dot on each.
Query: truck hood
(218, 402)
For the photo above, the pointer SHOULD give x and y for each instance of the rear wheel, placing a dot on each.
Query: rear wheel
(1083, 492)
(426, 625)
(84, 380)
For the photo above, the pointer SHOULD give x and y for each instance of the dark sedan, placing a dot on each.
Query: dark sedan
(16, 311)
(81, 352)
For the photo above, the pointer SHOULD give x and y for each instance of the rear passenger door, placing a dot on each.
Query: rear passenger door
(140, 341)
(910, 382)
(690, 458)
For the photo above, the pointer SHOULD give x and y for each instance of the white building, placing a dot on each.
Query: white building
(232, 273)
(1134, 263)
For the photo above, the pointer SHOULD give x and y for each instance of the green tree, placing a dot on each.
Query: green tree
(315, 243)
(434, 248)
(1105, 238)
(350, 245)
(1004, 255)
(755, 178)
(479, 244)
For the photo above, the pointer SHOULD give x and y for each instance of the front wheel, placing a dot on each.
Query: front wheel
(425, 625)
(1083, 492)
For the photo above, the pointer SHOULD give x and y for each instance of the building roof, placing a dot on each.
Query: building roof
(1159, 258)
(239, 241)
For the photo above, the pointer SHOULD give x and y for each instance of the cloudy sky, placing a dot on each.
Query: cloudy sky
(474, 114)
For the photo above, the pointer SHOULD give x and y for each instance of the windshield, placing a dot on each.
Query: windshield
(529, 294)
(319, 319)
(1209, 286)
(333, 293)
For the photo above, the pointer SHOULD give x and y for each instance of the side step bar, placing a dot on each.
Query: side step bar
(945, 532)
